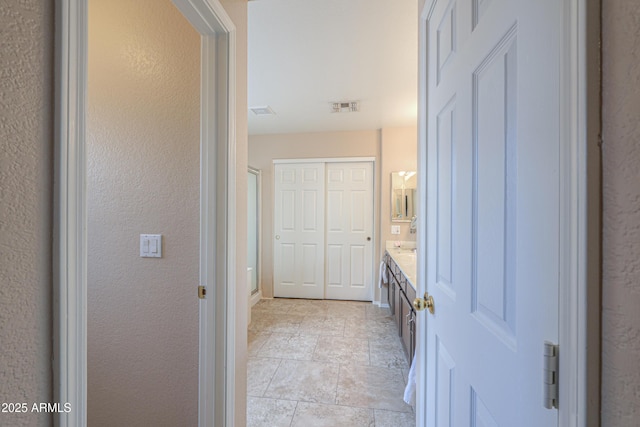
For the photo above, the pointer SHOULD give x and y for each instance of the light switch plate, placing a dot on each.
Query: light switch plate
(151, 245)
(395, 229)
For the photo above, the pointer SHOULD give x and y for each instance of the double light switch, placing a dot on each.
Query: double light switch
(151, 245)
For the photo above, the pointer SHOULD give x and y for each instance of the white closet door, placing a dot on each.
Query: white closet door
(349, 262)
(299, 230)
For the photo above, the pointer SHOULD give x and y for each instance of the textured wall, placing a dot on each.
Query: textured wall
(26, 148)
(143, 177)
(621, 214)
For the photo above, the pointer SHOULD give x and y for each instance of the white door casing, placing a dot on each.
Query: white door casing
(298, 252)
(493, 141)
(349, 231)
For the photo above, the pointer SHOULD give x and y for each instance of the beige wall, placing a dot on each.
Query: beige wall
(143, 177)
(26, 152)
(143, 128)
(621, 214)
(398, 144)
(399, 153)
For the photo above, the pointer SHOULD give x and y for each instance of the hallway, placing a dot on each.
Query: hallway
(325, 363)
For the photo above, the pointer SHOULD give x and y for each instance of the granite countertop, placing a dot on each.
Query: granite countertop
(405, 257)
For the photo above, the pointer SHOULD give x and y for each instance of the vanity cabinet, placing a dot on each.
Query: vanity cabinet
(400, 296)
(408, 327)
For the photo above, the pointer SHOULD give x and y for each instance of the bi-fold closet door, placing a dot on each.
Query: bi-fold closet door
(323, 230)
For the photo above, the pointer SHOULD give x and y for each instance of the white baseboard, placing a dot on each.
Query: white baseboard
(381, 304)
(255, 298)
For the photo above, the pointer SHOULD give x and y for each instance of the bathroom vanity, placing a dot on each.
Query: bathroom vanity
(401, 274)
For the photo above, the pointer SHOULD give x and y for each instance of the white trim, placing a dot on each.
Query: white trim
(326, 160)
(579, 299)
(579, 217)
(380, 304)
(255, 298)
(218, 203)
(217, 361)
(70, 278)
(421, 232)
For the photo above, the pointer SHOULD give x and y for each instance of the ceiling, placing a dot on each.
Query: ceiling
(306, 54)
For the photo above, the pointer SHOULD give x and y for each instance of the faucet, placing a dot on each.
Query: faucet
(414, 224)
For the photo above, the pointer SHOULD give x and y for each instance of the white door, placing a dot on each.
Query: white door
(299, 231)
(349, 228)
(493, 188)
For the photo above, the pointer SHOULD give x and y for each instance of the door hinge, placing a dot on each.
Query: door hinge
(202, 292)
(550, 375)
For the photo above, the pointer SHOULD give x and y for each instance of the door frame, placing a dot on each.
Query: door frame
(217, 362)
(376, 190)
(580, 195)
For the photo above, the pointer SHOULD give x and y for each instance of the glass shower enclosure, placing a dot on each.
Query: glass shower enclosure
(253, 230)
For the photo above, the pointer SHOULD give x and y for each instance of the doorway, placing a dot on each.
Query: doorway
(217, 204)
(143, 158)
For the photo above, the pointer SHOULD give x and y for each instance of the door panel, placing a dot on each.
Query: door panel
(350, 231)
(494, 189)
(493, 206)
(445, 145)
(299, 230)
(445, 386)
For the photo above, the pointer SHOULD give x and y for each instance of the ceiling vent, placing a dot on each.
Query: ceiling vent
(263, 111)
(345, 107)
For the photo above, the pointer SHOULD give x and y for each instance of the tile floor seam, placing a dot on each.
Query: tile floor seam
(335, 398)
(271, 379)
(293, 416)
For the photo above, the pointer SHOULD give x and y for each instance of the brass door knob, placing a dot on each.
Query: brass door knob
(427, 302)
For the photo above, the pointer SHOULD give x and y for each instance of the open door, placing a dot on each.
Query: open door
(496, 160)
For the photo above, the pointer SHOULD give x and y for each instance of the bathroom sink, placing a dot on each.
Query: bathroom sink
(405, 258)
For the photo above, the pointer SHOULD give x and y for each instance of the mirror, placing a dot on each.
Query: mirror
(403, 195)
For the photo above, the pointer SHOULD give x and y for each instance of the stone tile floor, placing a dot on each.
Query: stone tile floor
(325, 363)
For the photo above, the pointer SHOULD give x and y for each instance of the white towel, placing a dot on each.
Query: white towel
(410, 389)
(383, 275)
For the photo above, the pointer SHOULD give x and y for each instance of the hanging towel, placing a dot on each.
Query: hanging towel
(410, 389)
(383, 275)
